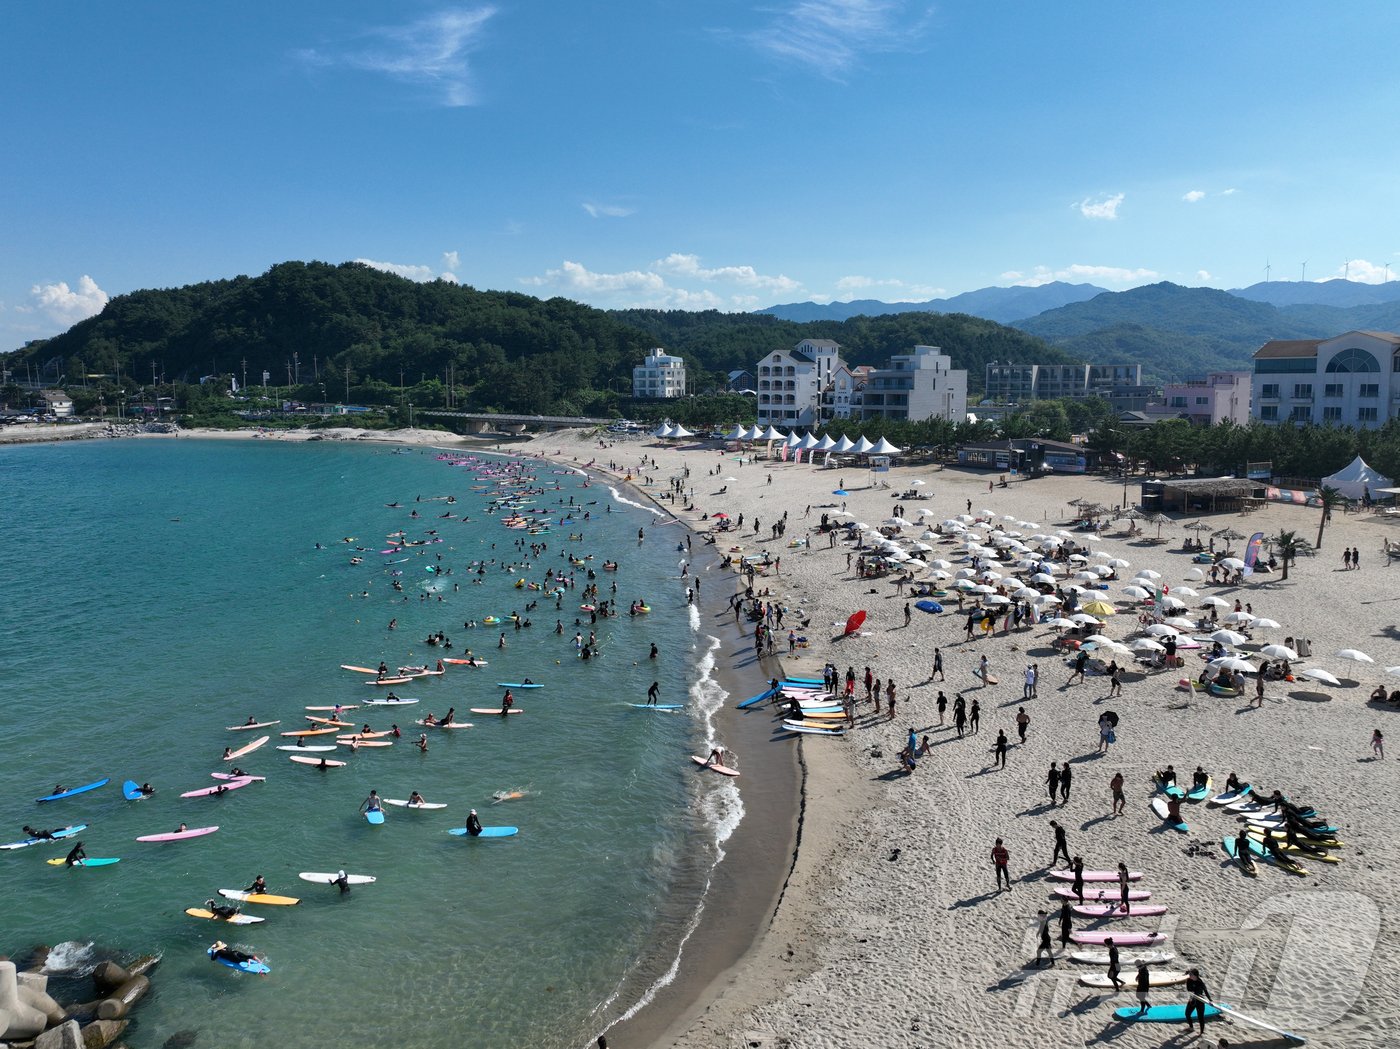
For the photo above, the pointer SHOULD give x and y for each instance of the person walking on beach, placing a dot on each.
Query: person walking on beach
(1000, 859)
(1066, 924)
(942, 705)
(1061, 846)
(1106, 734)
(1023, 721)
(1123, 886)
(975, 718)
(1077, 867)
(1119, 800)
(1080, 662)
(1258, 689)
(971, 624)
(1052, 781)
(1378, 744)
(937, 665)
(1113, 964)
(1000, 749)
(959, 715)
(1066, 777)
(1045, 948)
(1346, 559)
(1029, 685)
(1197, 997)
(1115, 682)
(907, 616)
(1355, 558)
(1144, 987)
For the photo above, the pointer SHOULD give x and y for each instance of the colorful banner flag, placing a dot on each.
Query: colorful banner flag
(1251, 552)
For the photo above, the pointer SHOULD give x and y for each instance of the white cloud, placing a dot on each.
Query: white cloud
(574, 276)
(431, 51)
(451, 260)
(831, 36)
(1361, 271)
(899, 288)
(1105, 207)
(607, 211)
(65, 305)
(1194, 195)
(1079, 273)
(1229, 192)
(745, 276)
(421, 274)
(1204, 276)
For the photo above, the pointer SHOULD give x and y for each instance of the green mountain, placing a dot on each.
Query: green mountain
(349, 330)
(1003, 305)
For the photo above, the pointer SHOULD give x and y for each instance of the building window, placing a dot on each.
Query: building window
(1269, 413)
(1332, 389)
(1366, 415)
(1332, 413)
(1178, 402)
(1270, 389)
(1302, 391)
(1353, 360)
(1202, 400)
(1301, 413)
(1369, 389)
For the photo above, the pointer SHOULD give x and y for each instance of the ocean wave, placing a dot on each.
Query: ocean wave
(620, 498)
(694, 617)
(70, 958)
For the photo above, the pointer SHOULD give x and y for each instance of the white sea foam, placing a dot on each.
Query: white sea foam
(620, 498)
(694, 618)
(70, 958)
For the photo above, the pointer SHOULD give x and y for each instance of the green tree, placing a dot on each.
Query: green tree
(1289, 546)
(1330, 499)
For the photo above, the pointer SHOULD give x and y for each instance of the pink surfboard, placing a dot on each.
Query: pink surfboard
(218, 788)
(1095, 875)
(1115, 910)
(1100, 893)
(179, 835)
(1121, 939)
(723, 770)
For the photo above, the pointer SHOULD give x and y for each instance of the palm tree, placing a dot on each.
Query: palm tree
(1288, 545)
(1331, 498)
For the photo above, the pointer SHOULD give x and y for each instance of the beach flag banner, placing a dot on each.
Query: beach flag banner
(1251, 552)
(797, 456)
(784, 453)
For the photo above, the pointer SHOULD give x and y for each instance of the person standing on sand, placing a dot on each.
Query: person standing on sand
(1078, 884)
(1080, 662)
(1119, 800)
(1066, 924)
(1113, 964)
(1123, 886)
(1045, 947)
(1000, 859)
(1144, 987)
(937, 665)
(1000, 749)
(1052, 782)
(1106, 733)
(1029, 683)
(1066, 777)
(1061, 846)
(1258, 689)
(1197, 997)
(959, 715)
(1115, 682)
(1378, 744)
(891, 698)
(975, 718)
(1023, 721)
(942, 705)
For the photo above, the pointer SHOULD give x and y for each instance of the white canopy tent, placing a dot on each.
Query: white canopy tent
(664, 430)
(826, 444)
(863, 446)
(772, 434)
(679, 430)
(808, 443)
(739, 433)
(883, 447)
(1356, 478)
(845, 444)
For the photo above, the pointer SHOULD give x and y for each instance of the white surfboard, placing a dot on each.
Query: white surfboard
(404, 803)
(330, 879)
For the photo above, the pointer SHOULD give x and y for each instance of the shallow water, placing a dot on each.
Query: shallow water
(161, 590)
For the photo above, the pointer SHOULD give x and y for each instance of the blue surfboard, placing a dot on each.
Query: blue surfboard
(375, 816)
(1162, 1014)
(928, 606)
(756, 699)
(487, 832)
(75, 790)
(516, 684)
(58, 835)
(251, 966)
(658, 706)
(131, 791)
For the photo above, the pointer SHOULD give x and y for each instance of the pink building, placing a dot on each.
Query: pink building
(1218, 397)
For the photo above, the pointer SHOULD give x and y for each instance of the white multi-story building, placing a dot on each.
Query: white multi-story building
(791, 383)
(1348, 380)
(659, 376)
(918, 385)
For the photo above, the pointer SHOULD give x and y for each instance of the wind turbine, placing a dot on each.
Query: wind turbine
(1305, 271)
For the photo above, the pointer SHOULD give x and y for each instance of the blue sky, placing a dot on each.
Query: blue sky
(677, 154)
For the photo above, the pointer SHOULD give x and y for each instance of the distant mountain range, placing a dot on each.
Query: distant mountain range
(1172, 331)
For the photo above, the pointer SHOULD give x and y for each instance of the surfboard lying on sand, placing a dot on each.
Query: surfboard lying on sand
(1230, 796)
(266, 898)
(1124, 960)
(1121, 939)
(1155, 978)
(1115, 910)
(723, 770)
(1095, 875)
(179, 835)
(233, 919)
(1097, 894)
(1160, 1014)
(1159, 806)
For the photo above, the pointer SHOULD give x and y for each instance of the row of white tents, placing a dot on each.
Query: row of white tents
(794, 441)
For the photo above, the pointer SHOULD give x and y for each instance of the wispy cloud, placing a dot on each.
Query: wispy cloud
(1204, 276)
(675, 282)
(430, 52)
(1078, 272)
(421, 274)
(831, 36)
(1105, 207)
(848, 286)
(1194, 195)
(1229, 192)
(65, 305)
(607, 211)
(1362, 272)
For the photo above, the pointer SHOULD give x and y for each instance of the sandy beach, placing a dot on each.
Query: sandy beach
(870, 915)
(890, 931)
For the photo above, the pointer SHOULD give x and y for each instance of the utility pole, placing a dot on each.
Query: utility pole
(296, 363)
(346, 366)
(245, 374)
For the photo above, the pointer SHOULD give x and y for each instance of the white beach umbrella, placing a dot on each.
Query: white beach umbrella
(1047, 600)
(1042, 577)
(1233, 663)
(1099, 639)
(1086, 577)
(1232, 563)
(940, 563)
(964, 584)
(1267, 624)
(1114, 646)
(1278, 652)
(1228, 637)
(1102, 571)
(1193, 574)
(1318, 674)
(989, 576)
(1025, 594)
(1118, 562)
(1161, 630)
(918, 483)
(897, 522)
(966, 573)
(1356, 655)
(983, 588)
(923, 548)
(938, 573)
(1146, 644)
(1078, 557)
(1240, 617)
(1147, 573)
(842, 515)
(1171, 604)
(1214, 602)
(1136, 592)
(923, 511)
(1393, 671)
(1180, 622)
(966, 518)
(1083, 618)
(1060, 623)
(996, 599)
(928, 533)
(1185, 591)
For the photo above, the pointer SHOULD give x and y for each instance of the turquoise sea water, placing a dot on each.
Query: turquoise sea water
(159, 591)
